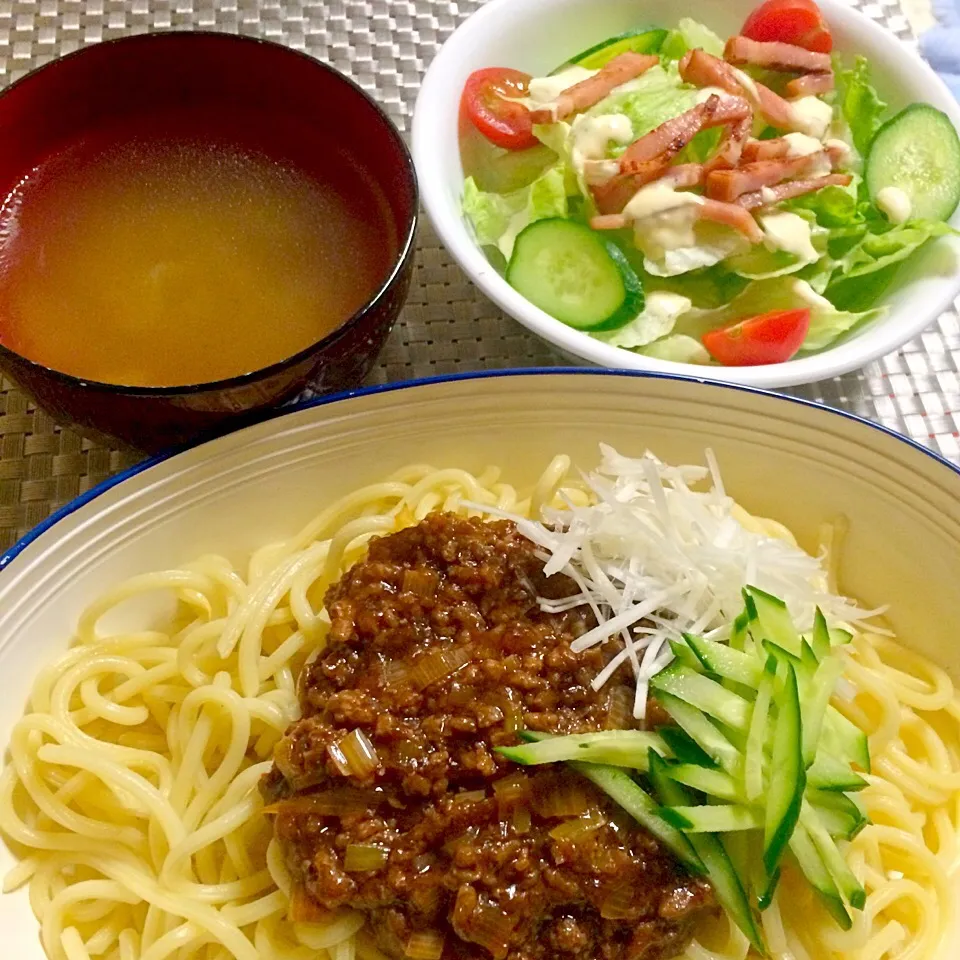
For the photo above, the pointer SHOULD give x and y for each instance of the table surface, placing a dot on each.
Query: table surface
(447, 326)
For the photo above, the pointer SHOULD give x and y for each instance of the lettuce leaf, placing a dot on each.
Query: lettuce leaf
(497, 219)
(689, 35)
(656, 96)
(660, 313)
(679, 348)
(780, 293)
(859, 102)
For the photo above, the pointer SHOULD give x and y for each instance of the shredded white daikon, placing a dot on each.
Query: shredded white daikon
(664, 551)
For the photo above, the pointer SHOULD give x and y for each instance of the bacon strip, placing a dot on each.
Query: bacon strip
(765, 149)
(793, 188)
(672, 136)
(775, 56)
(704, 70)
(587, 93)
(611, 197)
(731, 146)
(731, 215)
(729, 184)
(812, 85)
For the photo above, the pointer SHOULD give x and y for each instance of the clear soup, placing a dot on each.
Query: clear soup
(178, 260)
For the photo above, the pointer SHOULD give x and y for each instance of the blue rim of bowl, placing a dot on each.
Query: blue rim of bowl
(405, 245)
(276, 414)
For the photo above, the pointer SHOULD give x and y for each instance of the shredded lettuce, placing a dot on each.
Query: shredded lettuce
(713, 243)
(688, 36)
(859, 102)
(660, 313)
(497, 219)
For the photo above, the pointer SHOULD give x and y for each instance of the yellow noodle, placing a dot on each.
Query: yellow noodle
(132, 783)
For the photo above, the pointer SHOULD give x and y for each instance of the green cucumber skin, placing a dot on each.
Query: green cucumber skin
(885, 165)
(620, 748)
(647, 40)
(576, 238)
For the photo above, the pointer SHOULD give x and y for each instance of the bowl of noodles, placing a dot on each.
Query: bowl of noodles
(581, 664)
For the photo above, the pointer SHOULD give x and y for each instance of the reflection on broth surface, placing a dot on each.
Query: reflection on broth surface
(178, 260)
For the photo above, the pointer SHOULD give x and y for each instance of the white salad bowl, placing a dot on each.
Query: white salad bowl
(798, 462)
(535, 36)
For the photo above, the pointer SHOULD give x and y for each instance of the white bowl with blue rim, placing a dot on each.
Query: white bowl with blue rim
(534, 37)
(798, 462)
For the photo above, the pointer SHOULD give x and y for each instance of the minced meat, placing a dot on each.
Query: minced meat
(438, 652)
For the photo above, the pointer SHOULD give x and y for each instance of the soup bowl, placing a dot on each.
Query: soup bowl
(300, 107)
(525, 35)
(790, 460)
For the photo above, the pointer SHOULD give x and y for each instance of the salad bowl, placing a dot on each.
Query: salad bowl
(889, 307)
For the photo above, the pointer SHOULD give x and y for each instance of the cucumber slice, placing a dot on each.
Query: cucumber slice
(813, 868)
(685, 748)
(574, 274)
(712, 818)
(829, 773)
(845, 740)
(619, 748)
(684, 654)
(838, 813)
(771, 619)
(757, 734)
(787, 779)
(629, 795)
(723, 876)
(738, 633)
(705, 694)
(699, 728)
(832, 858)
(725, 661)
(821, 635)
(917, 151)
(815, 703)
(648, 40)
(714, 783)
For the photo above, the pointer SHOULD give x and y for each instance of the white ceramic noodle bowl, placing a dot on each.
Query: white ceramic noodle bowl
(800, 463)
(535, 36)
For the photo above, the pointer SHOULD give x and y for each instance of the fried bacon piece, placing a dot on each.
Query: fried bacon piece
(812, 85)
(790, 189)
(775, 56)
(587, 93)
(765, 149)
(729, 214)
(667, 140)
(727, 185)
(613, 195)
(731, 146)
(704, 70)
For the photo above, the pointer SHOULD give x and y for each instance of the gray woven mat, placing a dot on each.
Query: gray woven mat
(447, 325)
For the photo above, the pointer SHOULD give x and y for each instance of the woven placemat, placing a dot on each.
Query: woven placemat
(447, 326)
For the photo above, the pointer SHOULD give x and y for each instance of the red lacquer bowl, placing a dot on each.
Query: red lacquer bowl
(296, 105)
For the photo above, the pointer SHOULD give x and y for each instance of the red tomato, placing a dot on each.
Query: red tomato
(799, 22)
(486, 101)
(756, 341)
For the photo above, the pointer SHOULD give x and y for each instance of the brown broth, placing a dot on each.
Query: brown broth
(175, 261)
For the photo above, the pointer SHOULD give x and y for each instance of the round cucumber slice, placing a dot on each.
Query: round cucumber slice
(575, 274)
(647, 40)
(918, 152)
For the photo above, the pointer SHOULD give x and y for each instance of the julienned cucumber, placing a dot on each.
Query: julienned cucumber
(918, 152)
(636, 41)
(571, 272)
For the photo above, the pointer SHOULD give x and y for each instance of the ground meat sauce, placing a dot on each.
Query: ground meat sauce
(438, 651)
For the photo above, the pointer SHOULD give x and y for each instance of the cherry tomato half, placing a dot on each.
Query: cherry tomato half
(799, 22)
(486, 100)
(768, 338)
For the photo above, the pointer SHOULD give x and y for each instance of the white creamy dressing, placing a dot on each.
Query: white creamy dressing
(801, 145)
(790, 233)
(768, 195)
(811, 116)
(590, 136)
(664, 217)
(544, 90)
(704, 94)
(747, 83)
(894, 204)
(841, 147)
